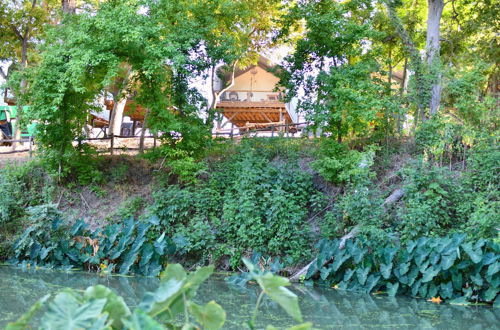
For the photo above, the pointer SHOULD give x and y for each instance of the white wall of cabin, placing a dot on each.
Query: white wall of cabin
(262, 81)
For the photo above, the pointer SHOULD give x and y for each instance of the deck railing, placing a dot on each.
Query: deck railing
(250, 96)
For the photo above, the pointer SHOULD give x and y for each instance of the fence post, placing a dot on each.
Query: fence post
(272, 130)
(232, 127)
(154, 141)
(31, 150)
(112, 143)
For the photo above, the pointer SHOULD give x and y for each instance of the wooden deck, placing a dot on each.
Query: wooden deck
(244, 113)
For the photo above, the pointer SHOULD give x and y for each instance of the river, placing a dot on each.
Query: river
(326, 308)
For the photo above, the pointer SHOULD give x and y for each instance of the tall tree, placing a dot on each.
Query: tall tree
(432, 48)
(21, 27)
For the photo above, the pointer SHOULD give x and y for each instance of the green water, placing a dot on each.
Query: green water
(326, 308)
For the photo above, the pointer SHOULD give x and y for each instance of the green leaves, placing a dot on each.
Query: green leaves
(23, 322)
(115, 306)
(475, 254)
(211, 315)
(423, 268)
(98, 307)
(68, 311)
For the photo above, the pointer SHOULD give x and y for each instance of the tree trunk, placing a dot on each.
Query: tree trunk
(402, 90)
(68, 6)
(432, 48)
(116, 116)
(143, 132)
(216, 95)
(415, 62)
(119, 102)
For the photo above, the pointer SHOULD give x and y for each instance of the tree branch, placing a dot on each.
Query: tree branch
(3, 74)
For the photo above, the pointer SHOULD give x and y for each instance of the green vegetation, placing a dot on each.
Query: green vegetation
(447, 267)
(171, 306)
(401, 147)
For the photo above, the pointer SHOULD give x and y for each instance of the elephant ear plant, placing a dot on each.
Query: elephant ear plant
(170, 306)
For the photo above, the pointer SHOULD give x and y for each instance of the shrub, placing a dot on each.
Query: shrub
(449, 267)
(249, 202)
(430, 201)
(339, 165)
(481, 202)
(21, 187)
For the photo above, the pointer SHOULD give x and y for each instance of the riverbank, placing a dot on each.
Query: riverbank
(276, 198)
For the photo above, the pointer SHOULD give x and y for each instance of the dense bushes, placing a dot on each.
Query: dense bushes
(448, 267)
(430, 204)
(253, 200)
(21, 187)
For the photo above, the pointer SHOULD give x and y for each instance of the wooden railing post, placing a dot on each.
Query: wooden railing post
(272, 130)
(112, 143)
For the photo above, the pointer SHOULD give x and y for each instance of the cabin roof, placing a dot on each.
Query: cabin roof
(263, 62)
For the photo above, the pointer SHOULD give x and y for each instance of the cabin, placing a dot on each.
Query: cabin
(254, 100)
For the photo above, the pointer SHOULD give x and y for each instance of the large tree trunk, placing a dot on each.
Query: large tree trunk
(120, 101)
(116, 116)
(432, 48)
(68, 6)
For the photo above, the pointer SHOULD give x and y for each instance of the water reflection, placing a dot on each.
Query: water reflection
(327, 309)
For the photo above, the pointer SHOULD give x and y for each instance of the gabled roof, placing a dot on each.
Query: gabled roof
(263, 62)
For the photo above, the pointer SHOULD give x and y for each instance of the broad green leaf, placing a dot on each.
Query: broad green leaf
(429, 274)
(67, 313)
(475, 255)
(491, 293)
(432, 290)
(493, 269)
(362, 274)
(348, 274)
(210, 316)
(162, 298)
(385, 270)
(274, 287)
(496, 303)
(403, 268)
(456, 278)
(477, 279)
(23, 322)
(173, 271)
(448, 260)
(115, 305)
(371, 282)
(141, 321)
(197, 277)
(392, 289)
(446, 290)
